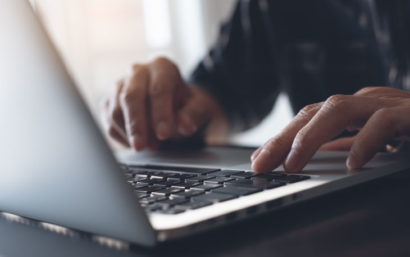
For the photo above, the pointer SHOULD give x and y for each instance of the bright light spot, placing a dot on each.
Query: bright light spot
(157, 23)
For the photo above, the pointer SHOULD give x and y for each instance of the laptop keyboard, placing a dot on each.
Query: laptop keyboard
(173, 190)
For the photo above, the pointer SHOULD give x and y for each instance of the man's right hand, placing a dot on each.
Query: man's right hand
(153, 103)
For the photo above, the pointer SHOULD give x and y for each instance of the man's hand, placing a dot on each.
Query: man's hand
(381, 114)
(153, 103)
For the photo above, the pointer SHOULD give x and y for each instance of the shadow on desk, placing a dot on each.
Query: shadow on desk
(367, 220)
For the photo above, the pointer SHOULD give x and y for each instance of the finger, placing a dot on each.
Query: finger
(165, 79)
(115, 114)
(273, 152)
(382, 92)
(118, 135)
(341, 144)
(383, 126)
(133, 105)
(255, 154)
(192, 116)
(336, 114)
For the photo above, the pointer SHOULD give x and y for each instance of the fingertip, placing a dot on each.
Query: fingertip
(255, 154)
(291, 163)
(137, 143)
(186, 126)
(353, 163)
(162, 130)
(261, 161)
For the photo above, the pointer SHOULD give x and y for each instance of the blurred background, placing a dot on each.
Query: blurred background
(100, 39)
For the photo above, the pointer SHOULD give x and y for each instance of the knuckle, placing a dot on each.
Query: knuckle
(386, 116)
(308, 110)
(163, 61)
(158, 89)
(136, 67)
(277, 143)
(164, 65)
(338, 102)
(367, 90)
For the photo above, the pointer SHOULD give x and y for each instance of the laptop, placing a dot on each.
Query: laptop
(56, 166)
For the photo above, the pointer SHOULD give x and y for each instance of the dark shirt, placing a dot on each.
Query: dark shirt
(310, 49)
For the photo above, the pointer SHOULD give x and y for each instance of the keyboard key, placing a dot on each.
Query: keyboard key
(238, 191)
(152, 199)
(168, 169)
(149, 189)
(293, 178)
(206, 187)
(199, 178)
(170, 211)
(218, 180)
(186, 185)
(192, 205)
(167, 191)
(171, 202)
(225, 173)
(254, 183)
(213, 197)
(167, 183)
(141, 195)
(243, 175)
(186, 194)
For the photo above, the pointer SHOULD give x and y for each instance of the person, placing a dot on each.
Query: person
(323, 54)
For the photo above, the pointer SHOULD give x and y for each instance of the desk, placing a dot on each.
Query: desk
(367, 220)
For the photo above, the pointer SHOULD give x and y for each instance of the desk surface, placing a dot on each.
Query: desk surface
(367, 220)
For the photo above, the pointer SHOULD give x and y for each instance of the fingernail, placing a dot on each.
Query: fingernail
(137, 142)
(254, 155)
(291, 161)
(162, 130)
(183, 131)
(351, 162)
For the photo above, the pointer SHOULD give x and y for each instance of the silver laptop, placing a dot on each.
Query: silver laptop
(56, 167)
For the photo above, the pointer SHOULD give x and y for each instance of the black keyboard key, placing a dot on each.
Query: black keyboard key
(238, 191)
(192, 205)
(186, 194)
(254, 183)
(199, 178)
(176, 176)
(140, 185)
(243, 175)
(149, 189)
(293, 178)
(206, 187)
(141, 195)
(186, 185)
(170, 211)
(152, 208)
(169, 169)
(213, 197)
(269, 176)
(167, 183)
(167, 191)
(152, 199)
(225, 173)
(218, 180)
(171, 202)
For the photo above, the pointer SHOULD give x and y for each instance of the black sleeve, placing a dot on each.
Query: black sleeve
(239, 70)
